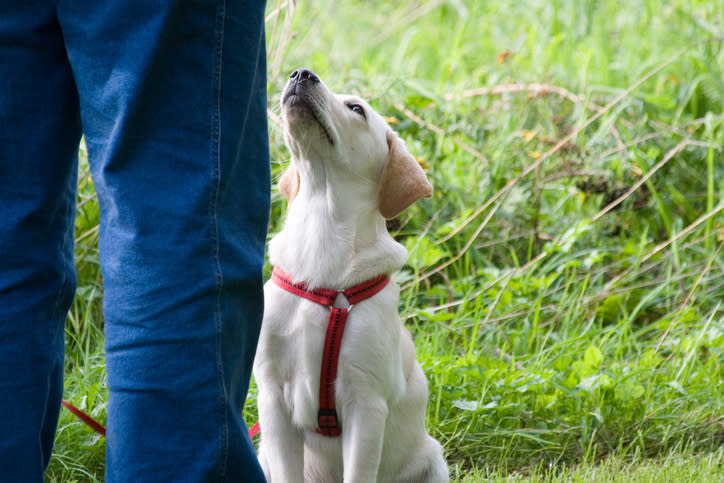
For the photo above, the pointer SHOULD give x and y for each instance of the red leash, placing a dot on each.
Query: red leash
(254, 430)
(97, 427)
(100, 429)
(327, 419)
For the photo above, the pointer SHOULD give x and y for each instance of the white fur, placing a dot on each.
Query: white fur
(334, 237)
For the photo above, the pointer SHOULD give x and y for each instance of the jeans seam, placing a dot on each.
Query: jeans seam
(216, 174)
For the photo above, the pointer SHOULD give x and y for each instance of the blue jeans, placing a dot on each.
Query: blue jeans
(171, 98)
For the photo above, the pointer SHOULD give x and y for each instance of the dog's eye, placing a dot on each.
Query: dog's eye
(358, 109)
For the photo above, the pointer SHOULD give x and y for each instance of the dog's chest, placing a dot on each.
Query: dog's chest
(292, 345)
(290, 348)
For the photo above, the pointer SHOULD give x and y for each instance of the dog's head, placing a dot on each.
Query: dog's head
(338, 138)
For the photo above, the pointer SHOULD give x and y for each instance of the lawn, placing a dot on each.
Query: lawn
(565, 284)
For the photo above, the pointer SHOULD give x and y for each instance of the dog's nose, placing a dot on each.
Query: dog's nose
(301, 75)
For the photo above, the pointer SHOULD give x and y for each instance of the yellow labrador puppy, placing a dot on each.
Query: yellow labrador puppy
(341, 395)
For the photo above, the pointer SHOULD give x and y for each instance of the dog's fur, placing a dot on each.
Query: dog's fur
(348, 170)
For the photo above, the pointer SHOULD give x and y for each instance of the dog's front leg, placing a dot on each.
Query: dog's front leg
(363, 434)
(281, 449)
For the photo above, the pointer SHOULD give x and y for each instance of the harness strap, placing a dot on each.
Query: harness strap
(327, 418)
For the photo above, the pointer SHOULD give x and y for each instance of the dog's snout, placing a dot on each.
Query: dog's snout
(301, 75)
(301, 83)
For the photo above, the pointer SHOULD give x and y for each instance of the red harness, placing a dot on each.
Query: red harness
(327, 415)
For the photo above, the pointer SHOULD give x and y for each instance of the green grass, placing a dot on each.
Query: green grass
(565, 281)
(675, 468)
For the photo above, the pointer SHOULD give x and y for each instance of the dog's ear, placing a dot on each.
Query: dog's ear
(403, 181)
(289, 183)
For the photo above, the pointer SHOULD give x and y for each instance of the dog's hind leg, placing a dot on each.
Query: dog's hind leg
(428, 466)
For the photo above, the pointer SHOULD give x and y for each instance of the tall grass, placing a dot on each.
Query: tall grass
(565, 282)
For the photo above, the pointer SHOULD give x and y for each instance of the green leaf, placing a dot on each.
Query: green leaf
(596, 381)
(473, 405)
(628, 391)
(423, 252)
(593, 357)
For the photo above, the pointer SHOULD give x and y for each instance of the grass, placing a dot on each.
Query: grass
(565, 282)
(673, 468)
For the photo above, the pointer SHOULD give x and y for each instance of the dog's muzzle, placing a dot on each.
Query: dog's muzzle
(304, 95)
(299, 81)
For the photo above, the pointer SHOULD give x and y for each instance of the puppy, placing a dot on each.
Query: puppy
(348, 173)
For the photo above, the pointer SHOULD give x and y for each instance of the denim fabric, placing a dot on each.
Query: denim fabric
(171, 98)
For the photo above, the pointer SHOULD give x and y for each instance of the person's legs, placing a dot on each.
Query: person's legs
(173, 105)
(39, 134)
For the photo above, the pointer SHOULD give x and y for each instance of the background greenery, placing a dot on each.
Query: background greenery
(565, 282)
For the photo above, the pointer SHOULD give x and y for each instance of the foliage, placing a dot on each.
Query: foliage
(565, 281)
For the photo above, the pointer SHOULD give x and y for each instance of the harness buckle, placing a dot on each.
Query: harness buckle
(328, 422)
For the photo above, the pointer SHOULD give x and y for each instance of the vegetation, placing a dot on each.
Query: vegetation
(565, 282)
